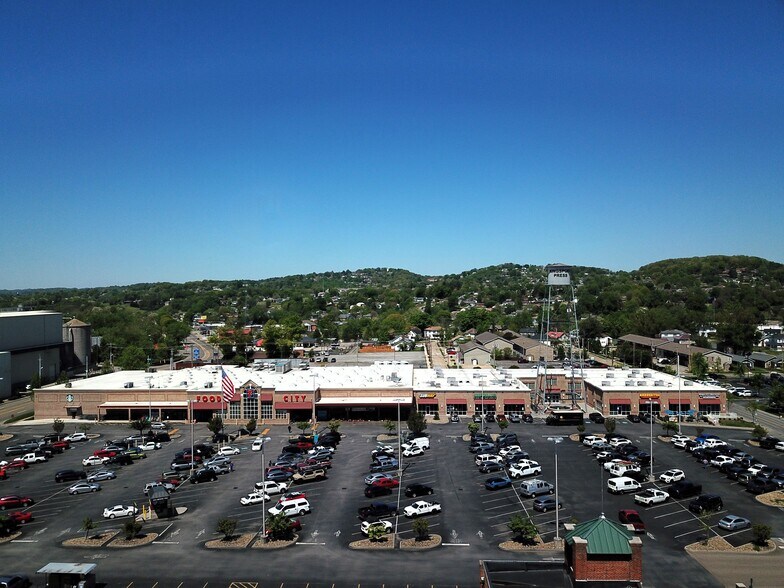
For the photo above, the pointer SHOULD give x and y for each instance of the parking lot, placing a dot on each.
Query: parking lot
(472, 523)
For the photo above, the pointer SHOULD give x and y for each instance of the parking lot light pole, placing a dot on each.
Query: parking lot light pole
(678, 373)
(263, 489)
(398, 401)
(556, 440)
(650, 422)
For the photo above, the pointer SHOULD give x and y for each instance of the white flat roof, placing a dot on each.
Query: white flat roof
(365, 400)
(633, 380)
(467, 380)
(137, 404)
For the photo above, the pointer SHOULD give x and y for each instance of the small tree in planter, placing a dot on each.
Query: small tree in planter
(761, 534)
(609, 425)
(389, 426)
(416, 422)
(139, 424)
(131, 528)
(753, 406)
(303, 426)
(668, 428)
(88, 525)
(581, 431)
(57, 426)
(251, 425)
(523, 529)
(473, 429)
(377, 533)
(83, 427)
(215, 425)
(227, 527)
(334, 425)
(503, 425)
(422, 529)
(759, 432)
(279, 527)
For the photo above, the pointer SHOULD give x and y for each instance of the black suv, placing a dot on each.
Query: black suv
(203, 475)
(506, 439)
(69, 476)
(705, 502)
(596, 417)
(684, 489)
(761, 486)
(377, 510)
(769, 442)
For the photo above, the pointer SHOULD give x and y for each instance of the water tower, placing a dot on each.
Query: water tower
(560, 288)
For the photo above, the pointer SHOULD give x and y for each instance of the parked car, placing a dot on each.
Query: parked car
(525, 468)
(255, 498)
(75, 437)
(150, 486)
(94, 460)
(632, 517)
(387, 483)
(20, 518)
(14, 501)
(119, 510)
(376, 491)
(633, 418)
(498, 482)
(84, 488)
(651, 496)
(229, 450)
(416, 490)
(596, 417)
(271, 487)
(15, 581)
(203, 475)
(377, 510)
(706, 502)
(514, 418)
(420, 508)
(761, 486)
(545, 503)
(101, 475)
(684, 489)
(769, 442)
(366, 526)
(734, 523)
(69, 476)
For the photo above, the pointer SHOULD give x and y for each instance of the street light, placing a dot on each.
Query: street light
(398, 401)
(556, 440)
(678, 372)
(149, 398)
(263, 488)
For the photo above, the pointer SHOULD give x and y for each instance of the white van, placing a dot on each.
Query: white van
(622, 485)
(422, 442)
(295, 506)
(484, 458)
(533, 488)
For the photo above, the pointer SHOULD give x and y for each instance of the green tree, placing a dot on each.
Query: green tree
(377, 533)
(251, 425)
(416, 422)
(279, 527)
(473, 429)
(140, 424)
(503, 425)
(334, 425)
(668, 428)
(759, 432)
(609, 425)
(523, 529)
(62, 378)
(776, 398)
(131, 529)
(390, 426)
(753, 406)
(227, 527)
(215, 424)
(132, 358)
(88, 525)
(83, 427)
(699, 366)
(762, 534)
(580, 429)
(422, 529)
(303, 426)
(756, 381)
(57, 426)
(35, 382)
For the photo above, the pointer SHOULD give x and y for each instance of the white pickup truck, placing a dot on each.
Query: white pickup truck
(33, 458)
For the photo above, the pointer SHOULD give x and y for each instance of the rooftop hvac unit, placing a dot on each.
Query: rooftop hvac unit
(605, 382)
(438, 384)
(629, 383)
(688, 383)
(659, 383)
(183, 383)
(642, 383)
(128, 385)
(609, 376)
(208, 385)
(647, 375)
(505, 383)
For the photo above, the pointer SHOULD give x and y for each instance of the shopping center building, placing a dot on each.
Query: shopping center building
(283, 392)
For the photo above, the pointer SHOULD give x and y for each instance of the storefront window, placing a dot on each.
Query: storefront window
(620, 408)
(250, 407)
(266, 410)
(428, 409)
(281, 413)
(710, 408)
(458, 409)
(552, 397)
(514, 409)
(234, 410)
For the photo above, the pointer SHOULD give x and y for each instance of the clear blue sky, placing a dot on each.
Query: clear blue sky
(174, 141)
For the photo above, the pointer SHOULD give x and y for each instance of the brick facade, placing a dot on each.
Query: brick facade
(585, 567)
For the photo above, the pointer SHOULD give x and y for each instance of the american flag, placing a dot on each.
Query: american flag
(228, 386)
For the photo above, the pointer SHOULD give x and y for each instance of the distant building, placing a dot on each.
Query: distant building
(433, 332)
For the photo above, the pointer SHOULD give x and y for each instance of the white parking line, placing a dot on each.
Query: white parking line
(678, 523)
(669, 514)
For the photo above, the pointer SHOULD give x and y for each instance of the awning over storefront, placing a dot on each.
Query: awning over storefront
(293, 405)
(366, 400)
(427, 400)
(514, 400)
(266, 397)
(486, 402)
(455, 400)
(145, 404)
(620, 401)
(710, 401)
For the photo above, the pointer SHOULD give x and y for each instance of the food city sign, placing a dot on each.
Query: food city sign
(295, 398)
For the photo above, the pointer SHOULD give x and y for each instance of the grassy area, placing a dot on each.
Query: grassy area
(21, 417)
(735, 423)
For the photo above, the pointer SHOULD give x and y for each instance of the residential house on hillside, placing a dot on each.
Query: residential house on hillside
(473, 354)
(773, 341)
(675, 336)
(493, 341)
(433, 333)
(415, 333)
(605, 340)
(557, 336)
(532, 350)
(706, 332)
(310, 326)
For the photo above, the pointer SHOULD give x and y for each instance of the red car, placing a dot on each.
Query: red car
(14, 501)
(303, 444)
(104, 453)
(294, 525)
(17, 464)
(386, 483)
(3, 474)
(61, 444)
(632, 517)
(21, 517)
(172, 480)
